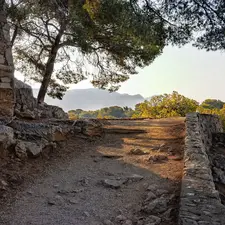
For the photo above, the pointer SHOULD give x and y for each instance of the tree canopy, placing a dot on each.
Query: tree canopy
(166, 105)
(201, 22)
(58, 42)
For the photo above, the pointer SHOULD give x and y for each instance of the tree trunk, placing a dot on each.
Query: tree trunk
(49, 67)
(7, 100)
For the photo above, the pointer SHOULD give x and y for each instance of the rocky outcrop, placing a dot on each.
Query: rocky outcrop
(200, 202)
(27, 107)
(30, 139)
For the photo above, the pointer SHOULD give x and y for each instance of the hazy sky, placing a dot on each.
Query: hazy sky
(194, 73)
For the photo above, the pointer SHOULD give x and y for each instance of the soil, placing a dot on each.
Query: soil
(95, 182)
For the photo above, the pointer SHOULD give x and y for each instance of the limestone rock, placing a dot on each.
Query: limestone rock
(27, 106)
(6, 139)
(135, 178)
(138, 151)
(153, 220)
(150, 196)
(56, 200)
(128, 222)
(158, 205)
(90, 128)
(33, 149)
(108, 222)
(157, 159)
(120, 218)
(20, 150)
(24, 149)
(114, 183)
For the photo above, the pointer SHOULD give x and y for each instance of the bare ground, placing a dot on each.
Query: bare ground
(68, 187)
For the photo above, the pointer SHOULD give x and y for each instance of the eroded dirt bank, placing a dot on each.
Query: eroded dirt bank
(130, 176)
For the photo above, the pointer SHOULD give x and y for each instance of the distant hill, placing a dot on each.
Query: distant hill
(93, 99)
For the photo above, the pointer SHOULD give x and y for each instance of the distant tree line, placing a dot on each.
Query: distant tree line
(159, 106)
(112, 112)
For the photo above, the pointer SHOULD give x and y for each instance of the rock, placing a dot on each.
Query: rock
(114, 183)
(155, 148)
(90, 127)
(87, 214)
(128, 222)
(84, 182)
(162, 146)
(153, 220)
(20, 150)
(120, 218)
(157, 158)
(33, 149)
(56, 112)
(26, 105)
(167, 214)
(73, 201)
(30, 192)
(150, 196)
(158, 205)
(26, 148)
(59, 134)
(16, 179)
(138, 151)
(6, 139)
(57, 200)
(135, 178)
(160, 192)
(219, 175)
(4, 183)
(152, 187)
(108, 222)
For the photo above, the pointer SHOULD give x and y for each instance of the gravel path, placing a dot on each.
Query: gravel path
(102, 184)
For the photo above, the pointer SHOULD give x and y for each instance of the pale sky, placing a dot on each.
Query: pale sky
(194, 73)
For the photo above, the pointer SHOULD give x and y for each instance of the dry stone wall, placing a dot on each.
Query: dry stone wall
(200, 203)
(6, 67)
(26, 105)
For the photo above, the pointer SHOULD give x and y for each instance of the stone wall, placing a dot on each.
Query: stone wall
(200, 203)
(6, 67)
(26, 105)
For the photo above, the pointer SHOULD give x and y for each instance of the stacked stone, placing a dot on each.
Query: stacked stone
(6, 67)
(200, 203)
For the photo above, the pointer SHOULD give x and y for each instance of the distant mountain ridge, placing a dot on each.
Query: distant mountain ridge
(93, 99)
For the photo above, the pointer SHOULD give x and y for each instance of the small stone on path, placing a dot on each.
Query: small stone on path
(114, 183)
(138, 151)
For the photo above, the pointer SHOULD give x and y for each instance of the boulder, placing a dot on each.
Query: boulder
(6, 139)
(24, 149)
(90, 128)
(20, 150)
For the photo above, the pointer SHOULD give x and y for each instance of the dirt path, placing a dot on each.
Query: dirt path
(103, 183)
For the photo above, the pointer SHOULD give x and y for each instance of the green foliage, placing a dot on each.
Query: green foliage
(107, 113)
(212, 104)
(167, 105)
